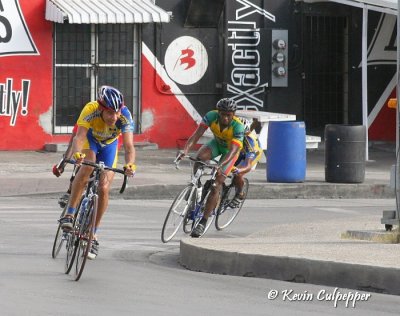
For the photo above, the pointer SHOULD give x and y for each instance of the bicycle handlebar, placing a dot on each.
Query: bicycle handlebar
(99, 166)
(205, 164)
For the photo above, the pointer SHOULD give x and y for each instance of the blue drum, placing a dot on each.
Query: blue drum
(286, 151)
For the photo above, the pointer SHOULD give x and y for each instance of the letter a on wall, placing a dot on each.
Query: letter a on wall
(15, 38)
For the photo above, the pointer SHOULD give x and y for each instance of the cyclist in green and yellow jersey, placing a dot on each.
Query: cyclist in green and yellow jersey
(228, 133)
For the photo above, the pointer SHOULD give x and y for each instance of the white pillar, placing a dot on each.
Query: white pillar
(364, 65)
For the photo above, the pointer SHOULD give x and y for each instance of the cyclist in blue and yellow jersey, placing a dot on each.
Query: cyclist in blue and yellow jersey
(99, 125)
(248, 159)
(228, 133)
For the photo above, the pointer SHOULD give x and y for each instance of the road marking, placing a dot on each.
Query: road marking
(336, 210)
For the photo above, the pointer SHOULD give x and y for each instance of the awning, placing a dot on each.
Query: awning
(385, 6)
(104, 11)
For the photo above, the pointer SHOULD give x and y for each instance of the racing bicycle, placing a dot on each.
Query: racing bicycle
(187, 208)
(61, 236)
(79, 239)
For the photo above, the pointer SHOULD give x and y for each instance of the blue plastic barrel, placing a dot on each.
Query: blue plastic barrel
(286, 151)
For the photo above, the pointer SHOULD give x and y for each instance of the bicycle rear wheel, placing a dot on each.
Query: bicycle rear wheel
(72, 240)
(60, 237)
(176, 214)
(85, 237)
(225, 214)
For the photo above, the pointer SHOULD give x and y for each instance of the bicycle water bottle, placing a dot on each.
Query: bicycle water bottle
(83, 209)
(84, 203)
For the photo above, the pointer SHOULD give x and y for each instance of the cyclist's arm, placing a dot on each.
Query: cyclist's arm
(130, 152)
(234, 150)
(246, 167)
(194, 138)
(68, 152)
(78, 140)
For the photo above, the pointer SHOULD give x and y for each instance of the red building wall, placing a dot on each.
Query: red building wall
(25, 76)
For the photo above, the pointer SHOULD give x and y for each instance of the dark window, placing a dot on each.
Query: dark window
(88, 56)
(325, 71)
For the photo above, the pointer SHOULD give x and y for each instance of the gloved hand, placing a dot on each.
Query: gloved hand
(130, 169)
(78, 157)
(180, 155)
(57, 171)
(235, 171)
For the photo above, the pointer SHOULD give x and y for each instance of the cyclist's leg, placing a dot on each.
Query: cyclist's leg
(109, 155)
(205, 153)
(78, 185)
(212, 200)
(238, 179)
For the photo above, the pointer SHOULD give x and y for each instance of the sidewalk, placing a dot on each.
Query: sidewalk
(303, 253)
(298, 253)
(23, 173)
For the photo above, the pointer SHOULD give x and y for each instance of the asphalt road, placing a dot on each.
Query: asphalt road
(136, 274)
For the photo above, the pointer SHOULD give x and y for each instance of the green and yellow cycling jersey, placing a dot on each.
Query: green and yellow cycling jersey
(232, 134)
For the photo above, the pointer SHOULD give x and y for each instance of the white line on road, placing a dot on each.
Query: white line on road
(336, 210)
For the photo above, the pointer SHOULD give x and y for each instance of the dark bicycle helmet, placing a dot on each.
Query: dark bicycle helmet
(110, 98)
(227, 105)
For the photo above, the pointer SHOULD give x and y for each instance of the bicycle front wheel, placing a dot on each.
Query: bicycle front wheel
(189, 218)
(60, 237)
(85, 237)
(200, 214)
(72, 240)
(176, 214)
(225, 214)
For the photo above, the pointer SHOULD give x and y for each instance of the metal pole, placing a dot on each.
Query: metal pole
(364, 64)
(397, 173)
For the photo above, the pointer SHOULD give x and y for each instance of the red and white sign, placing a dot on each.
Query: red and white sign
(186, 60)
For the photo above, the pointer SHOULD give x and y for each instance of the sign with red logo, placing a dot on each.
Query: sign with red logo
(186, 60)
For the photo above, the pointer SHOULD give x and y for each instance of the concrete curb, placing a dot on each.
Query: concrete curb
(300, 270)
(256, 191)
(385, 237)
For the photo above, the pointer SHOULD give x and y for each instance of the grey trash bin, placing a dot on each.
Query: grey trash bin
(345, 153)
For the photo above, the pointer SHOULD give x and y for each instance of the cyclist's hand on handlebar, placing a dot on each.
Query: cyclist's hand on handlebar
(235, 171)
(58, 170)
(130, 169)
(180, 155)
(78, 157)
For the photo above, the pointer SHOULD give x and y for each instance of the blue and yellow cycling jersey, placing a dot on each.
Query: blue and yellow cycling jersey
(232, 134)
(91, 119)
(251, 149)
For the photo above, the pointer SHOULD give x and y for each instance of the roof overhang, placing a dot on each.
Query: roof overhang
(105, 11)
(385, 6)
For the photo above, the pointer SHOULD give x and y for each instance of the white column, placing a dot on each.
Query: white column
(364, 64)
